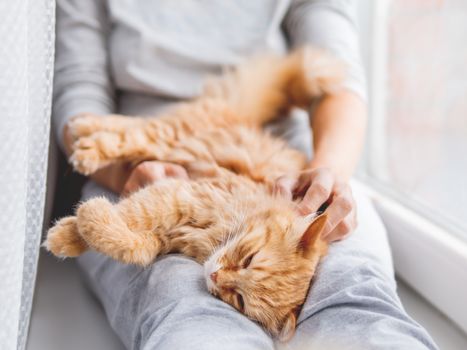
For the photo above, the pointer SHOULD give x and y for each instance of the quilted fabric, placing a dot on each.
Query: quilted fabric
(26, 66)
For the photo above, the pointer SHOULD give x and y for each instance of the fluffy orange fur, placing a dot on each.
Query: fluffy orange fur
(259, 254)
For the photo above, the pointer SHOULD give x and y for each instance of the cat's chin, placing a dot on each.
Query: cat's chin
(211, 286)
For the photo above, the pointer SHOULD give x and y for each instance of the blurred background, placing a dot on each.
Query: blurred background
(417, 140)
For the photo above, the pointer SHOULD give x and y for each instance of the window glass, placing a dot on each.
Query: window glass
(425, 108)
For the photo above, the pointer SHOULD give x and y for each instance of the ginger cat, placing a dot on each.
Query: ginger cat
(259, 254)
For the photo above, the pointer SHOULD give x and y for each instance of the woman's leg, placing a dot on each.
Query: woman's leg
(352, 303)
(167, 305)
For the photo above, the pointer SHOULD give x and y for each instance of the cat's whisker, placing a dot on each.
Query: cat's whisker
(212, 247)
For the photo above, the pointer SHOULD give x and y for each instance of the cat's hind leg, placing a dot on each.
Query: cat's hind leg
(105, 230)
(64, 240)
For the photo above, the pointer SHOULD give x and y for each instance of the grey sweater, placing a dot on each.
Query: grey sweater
(138, 56)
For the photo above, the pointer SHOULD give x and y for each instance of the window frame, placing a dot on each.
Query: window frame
(427, 256)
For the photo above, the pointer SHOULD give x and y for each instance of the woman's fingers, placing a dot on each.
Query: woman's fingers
(152, 171)
(320, 188)
(147, 172)
(317, 187)
(343, 229)
(285, 185)
(175, 170)
(341, 213)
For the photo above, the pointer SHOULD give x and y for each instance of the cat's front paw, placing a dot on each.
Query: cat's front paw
(94, 152)
(84, 125)
(64, 240)
(85, 158)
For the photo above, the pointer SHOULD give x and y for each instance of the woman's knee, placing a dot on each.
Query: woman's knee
(178, 312)
(356, 309)
(176, 277)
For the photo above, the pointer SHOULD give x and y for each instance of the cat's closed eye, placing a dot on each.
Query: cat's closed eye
(240, 301)
(247, 261)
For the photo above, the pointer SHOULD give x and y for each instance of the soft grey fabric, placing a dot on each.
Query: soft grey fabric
(148, 52)
(352, 303)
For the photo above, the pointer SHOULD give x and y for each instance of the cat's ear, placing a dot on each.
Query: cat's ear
(312, 234)
(288, 328)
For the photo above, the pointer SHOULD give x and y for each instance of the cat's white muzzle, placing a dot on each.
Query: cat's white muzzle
(211, 266)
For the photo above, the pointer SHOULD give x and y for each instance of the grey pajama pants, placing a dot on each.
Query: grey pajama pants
(352, 303)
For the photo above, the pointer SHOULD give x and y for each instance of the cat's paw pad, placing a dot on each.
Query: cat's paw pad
(85, 158)
(64, 240)
(84, 125)
(85, 162)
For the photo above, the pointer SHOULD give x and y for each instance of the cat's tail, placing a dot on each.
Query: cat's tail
(98, 225)
(268, 86)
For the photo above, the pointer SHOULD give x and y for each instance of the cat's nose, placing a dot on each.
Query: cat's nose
(213, 277)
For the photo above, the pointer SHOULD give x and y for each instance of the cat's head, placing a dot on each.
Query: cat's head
(265, 271)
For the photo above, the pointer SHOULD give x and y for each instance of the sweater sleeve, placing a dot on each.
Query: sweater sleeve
(331, 25)
(82, 81)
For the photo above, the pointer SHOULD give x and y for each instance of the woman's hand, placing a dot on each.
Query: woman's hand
(151, 171)
(318, 187)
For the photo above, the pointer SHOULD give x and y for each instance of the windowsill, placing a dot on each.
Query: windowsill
(65, 315)
(445, 333)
